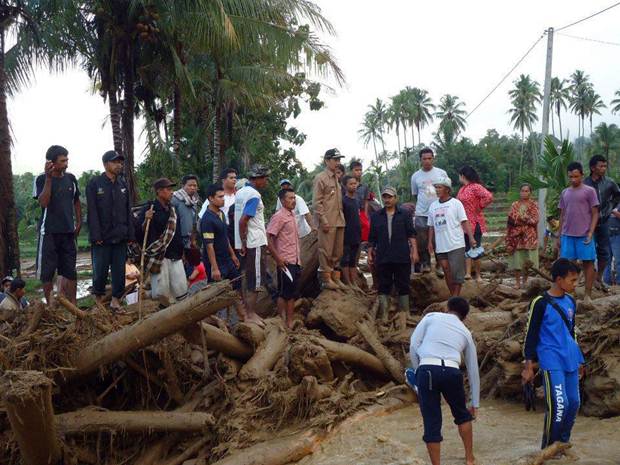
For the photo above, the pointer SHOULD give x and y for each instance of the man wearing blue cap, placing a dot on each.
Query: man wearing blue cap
(110, 226)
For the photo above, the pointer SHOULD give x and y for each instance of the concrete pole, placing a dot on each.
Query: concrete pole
(542, 193)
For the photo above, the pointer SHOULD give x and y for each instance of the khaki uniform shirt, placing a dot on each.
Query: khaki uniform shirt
(327, 200)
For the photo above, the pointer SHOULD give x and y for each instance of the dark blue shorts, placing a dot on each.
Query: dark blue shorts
(228, 270)
(433, 382)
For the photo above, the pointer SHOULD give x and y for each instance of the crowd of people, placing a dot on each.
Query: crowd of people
(178, 244)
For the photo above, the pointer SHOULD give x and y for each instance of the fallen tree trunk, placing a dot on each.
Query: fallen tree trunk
(218, 340)
(153, 328)
(547, 453)
(27, 396)
(338, 351)
(276, 452)
(391, 364)
(93, 421)
(267, 353)
(250, 333)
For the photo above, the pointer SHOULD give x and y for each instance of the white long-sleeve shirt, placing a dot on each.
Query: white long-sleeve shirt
(444, 336)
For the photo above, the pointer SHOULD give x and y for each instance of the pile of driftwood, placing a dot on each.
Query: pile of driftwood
(180, 385)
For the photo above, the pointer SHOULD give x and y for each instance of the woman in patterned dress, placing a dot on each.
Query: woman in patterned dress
(475, 198)
(522, 234)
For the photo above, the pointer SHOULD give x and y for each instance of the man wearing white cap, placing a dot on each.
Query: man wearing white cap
(446, 221)
(305, 225)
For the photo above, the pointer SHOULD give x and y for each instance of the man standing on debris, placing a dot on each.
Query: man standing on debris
(283, 239)
(164, 245)
(352, 232)
(59, 197)
(219, 257)
(608, 194)
(579, 216)
(392, 247)
(550, 339)
(186, 201)
(110, 227)
(435, 350)
(251, 236)
(423, 192)
(327, 203)
(305, 224)
(446, 221)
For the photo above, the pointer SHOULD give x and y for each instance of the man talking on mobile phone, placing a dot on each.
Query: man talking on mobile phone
(61, 220)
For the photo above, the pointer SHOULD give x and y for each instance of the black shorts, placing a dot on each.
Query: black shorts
(477, 236)
(287, 289)
(255, 271)
(56, 253)
(349, 255)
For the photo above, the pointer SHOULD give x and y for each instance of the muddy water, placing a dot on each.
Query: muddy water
(503, 433)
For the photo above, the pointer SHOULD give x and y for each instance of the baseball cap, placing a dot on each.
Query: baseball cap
(111, 155)
(443, 181)
(7, 279)
(259, 171)
(389, 191)
(285, 181)
(333, 154)
(163, 182)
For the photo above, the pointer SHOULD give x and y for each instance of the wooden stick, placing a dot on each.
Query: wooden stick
(267, 353)
(188, 453)
(94, 421)
(82, 315)
(143, 252)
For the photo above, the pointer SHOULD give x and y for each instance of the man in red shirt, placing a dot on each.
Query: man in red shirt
(283, 244)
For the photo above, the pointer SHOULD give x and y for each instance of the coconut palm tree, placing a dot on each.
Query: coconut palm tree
(423, 109)
(370, 132)
(559, 99)
(579, 87)
(525, 97)
(394, 117)
(593, 103)
(451, 113)
(607, 138)
(378, 113)
(615, 103)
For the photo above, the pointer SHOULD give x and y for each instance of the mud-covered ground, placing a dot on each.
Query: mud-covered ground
(503, 434)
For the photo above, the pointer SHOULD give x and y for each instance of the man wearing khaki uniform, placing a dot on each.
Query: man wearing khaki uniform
(327, 204)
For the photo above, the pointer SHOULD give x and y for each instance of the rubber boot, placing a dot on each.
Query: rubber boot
(336, 279)
(326, 281)
(384, 306)
(403, 303)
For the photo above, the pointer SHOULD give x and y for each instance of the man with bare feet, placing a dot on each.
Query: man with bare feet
(436, 347)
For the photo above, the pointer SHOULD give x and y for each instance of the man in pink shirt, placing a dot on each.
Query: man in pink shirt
(283, 244)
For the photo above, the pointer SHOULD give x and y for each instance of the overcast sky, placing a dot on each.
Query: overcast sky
(444, 46)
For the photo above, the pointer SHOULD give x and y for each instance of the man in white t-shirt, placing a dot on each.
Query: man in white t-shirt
(423, 192)
(446, 222)
(251, 236)
(305, 225)
(228, 178)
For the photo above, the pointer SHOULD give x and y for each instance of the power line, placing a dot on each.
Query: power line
(588, 17)
(617, 44)
(529, 50)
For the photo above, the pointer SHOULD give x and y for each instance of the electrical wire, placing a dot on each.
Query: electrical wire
(529, 50)
(587, 17)
(617, 44)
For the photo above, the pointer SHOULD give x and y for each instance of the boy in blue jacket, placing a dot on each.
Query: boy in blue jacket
(550, 341)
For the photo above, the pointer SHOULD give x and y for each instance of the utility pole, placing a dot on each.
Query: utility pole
(542, 193)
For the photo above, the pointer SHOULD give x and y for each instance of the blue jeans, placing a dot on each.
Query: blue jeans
(561, 405)
(104, 258)
(614, 242)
